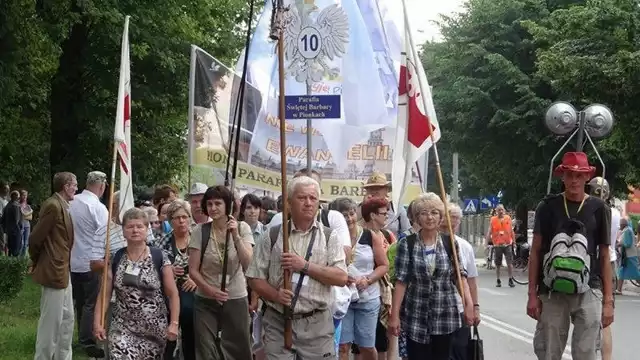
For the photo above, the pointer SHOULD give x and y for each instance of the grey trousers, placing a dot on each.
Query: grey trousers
(558, 312)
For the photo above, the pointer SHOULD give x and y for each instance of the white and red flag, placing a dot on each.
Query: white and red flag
(122, 133)
(416, 118)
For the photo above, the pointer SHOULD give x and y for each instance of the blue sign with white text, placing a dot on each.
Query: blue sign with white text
(302, 107)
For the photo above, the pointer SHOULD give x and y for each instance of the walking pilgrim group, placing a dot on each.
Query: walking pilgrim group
(355, 286)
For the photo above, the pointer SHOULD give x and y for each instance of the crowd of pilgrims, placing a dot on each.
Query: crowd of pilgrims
(363, 274)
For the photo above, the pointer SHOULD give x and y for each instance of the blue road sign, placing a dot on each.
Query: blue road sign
(488, 202)
(312, 107)
(470, 206)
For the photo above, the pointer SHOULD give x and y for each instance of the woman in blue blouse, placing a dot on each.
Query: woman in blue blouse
(424, 300)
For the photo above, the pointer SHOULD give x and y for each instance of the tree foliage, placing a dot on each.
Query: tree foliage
(500, 65)
(59, 70)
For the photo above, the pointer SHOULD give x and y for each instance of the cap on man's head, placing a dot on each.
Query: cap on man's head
(96, 177)
(198, 189)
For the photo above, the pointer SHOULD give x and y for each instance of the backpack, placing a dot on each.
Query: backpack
(323, 217)
(566, 267)
(157, 259)
(411, 240)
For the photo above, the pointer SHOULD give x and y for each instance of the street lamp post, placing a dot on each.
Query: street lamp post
(593, 122)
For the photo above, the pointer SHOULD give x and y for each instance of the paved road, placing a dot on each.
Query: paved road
(507, 331)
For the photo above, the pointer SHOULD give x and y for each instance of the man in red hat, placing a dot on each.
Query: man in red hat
(571, 229)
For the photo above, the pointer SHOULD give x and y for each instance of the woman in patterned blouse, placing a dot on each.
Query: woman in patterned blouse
(425, 281)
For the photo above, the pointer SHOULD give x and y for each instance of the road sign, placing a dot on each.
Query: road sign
(470, 206)
(488, 202)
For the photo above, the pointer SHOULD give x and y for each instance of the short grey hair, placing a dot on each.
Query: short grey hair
(343, 204)
(425, 201)
(176, 206)
(454, 210)
(96, 177)
(150, 211)
(301, 181)
(135, 214)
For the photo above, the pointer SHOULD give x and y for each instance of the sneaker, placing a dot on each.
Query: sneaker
(511, 283)
(498, 283)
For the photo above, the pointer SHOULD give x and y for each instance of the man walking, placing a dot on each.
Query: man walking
(501, 235)
(50, 245)
(12, 224)
(570, 275)
(312, 277)
(88, 215)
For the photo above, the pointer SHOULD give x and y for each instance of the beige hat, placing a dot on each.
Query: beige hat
(377, 179)
(198, 189)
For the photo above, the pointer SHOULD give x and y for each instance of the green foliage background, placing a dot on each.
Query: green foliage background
(503, 62)
(59, 69)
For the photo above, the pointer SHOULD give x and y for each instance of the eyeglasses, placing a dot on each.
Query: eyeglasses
(383, 213)
(156, 222)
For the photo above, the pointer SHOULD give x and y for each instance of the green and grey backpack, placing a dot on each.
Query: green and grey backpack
(565, 268)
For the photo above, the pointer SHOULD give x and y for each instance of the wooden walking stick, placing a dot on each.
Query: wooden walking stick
(277, 34)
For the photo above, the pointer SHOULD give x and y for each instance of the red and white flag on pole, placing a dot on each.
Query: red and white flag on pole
(122, 133)
(416, 118)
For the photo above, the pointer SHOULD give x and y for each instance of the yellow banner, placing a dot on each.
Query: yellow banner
(259, 178)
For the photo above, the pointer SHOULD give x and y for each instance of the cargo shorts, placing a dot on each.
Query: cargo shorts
(506, 250)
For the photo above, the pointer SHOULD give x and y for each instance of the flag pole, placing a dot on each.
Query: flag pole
(120, 108)
(443, 192)
(191, 120)
(278, 34)
(105, 275)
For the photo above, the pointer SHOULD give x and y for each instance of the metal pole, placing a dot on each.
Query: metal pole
(309, 145)
(581, 125)
(425, 176)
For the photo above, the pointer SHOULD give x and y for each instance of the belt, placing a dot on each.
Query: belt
(298, 316)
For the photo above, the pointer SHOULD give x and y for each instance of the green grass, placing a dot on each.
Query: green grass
(19, 323)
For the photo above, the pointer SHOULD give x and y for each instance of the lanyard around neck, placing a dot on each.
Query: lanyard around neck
(566, 208)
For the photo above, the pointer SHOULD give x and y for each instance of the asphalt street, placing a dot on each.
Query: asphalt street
(507, 331)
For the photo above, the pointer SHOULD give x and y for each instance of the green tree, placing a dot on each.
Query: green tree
(60, 61)
(590, 54)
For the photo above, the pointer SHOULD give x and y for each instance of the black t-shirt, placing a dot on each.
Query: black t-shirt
(551, 215)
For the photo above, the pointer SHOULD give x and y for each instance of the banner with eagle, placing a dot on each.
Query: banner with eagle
(329, 55)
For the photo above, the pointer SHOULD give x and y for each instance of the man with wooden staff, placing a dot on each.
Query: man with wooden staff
(316, 261)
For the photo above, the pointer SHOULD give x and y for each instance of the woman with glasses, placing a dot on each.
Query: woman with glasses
(367, 265)
(175, 245)
(424, 298)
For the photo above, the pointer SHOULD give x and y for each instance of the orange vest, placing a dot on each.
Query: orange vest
(501, 230)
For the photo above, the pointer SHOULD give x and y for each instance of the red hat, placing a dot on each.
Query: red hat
(576, 162)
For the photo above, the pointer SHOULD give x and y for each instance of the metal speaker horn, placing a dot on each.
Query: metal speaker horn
(561, 118)
(598, 120)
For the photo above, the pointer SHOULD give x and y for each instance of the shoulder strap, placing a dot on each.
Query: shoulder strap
(156, 257)
(206, 234)
(274, 231)
(115, 261)
(324, 217)
(411, 241)
(387, 236)
(327, 234)
(446, 242)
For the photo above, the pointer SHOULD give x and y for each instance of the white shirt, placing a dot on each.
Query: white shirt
(88, 215)
(337, 223)
(615, 226)
(468, 261)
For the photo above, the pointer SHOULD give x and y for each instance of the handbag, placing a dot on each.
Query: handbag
(475, 348)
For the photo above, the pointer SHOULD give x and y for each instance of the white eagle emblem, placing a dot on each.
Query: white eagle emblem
(308, 44)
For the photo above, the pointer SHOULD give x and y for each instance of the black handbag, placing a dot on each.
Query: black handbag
(475, 349)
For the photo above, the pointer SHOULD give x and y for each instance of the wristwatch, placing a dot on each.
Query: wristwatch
(175, 323)
(305, 269)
